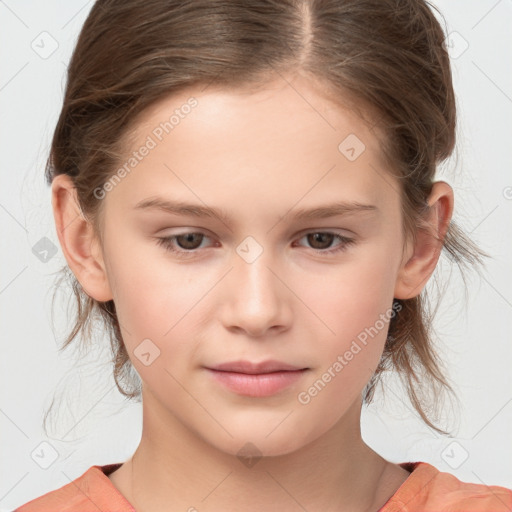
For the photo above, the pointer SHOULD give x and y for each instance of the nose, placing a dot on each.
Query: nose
(257, 300)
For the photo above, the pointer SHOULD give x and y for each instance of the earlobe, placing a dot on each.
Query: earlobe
(424, 254)
(78, 241)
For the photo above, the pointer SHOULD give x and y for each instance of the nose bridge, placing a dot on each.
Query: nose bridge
(252, 269)
(256, 299)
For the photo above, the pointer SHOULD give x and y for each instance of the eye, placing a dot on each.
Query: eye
(189, 243)
(320, 239)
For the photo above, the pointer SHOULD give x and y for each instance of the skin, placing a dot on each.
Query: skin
(260, 155)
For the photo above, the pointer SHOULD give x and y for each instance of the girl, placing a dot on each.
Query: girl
(245, 192)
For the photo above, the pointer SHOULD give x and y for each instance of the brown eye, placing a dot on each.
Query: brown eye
(189, 240)
(320, 240)
(183, 245)
(189, 244)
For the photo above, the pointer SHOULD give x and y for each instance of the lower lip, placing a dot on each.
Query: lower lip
(257, 385)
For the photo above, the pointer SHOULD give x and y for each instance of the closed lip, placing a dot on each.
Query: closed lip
(251, 368)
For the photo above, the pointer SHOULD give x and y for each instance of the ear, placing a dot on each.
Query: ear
(79, 244)
(421, 257)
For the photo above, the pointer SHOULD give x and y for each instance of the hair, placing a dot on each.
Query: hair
(385, 59)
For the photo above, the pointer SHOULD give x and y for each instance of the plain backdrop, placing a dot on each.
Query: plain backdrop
(94, 425)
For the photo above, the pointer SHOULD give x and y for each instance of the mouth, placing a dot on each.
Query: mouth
(256, 379)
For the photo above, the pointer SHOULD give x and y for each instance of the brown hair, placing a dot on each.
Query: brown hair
(386, 58)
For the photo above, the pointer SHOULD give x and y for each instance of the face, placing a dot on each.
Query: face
(277, 276)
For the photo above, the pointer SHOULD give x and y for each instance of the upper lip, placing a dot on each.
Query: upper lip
(255, 368)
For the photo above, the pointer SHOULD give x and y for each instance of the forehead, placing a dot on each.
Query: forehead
(280, 110)
(285, 140)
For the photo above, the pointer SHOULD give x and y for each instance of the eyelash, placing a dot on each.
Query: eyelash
(167, 243)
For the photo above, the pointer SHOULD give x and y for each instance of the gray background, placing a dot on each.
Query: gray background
(94, 424)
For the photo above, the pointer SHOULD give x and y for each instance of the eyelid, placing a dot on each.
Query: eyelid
(344, 242)
(334, 231)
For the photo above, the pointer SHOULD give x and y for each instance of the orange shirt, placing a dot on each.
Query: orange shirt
(426, 490)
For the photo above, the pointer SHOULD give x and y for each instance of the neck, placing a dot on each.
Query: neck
(174, 469)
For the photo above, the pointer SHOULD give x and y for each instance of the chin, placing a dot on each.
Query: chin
(251, 443)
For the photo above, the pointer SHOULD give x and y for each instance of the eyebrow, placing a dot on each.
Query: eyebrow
(197, 210)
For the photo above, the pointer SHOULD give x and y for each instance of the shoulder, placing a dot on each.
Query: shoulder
(429, 490)
(90, 492)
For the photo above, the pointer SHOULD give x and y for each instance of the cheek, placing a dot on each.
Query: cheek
(354, 294)
(155, 299)
(353, 304)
